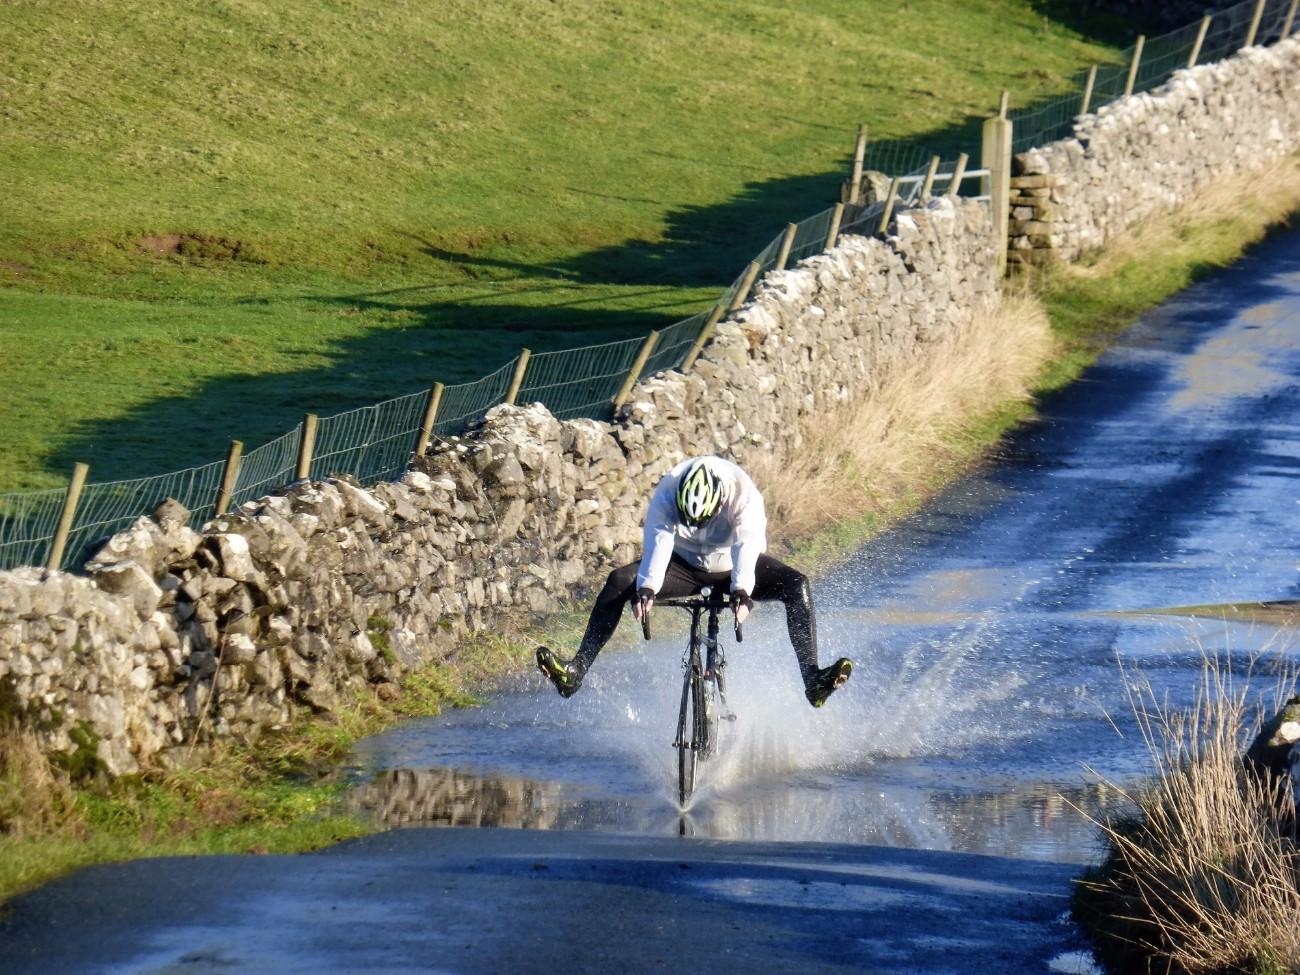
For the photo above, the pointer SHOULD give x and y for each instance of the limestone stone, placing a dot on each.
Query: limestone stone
(129, 579)
(233, 555)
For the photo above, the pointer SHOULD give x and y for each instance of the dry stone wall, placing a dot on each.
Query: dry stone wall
(1154, 152)
(176, 636)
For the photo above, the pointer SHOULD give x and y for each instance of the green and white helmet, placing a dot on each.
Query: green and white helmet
(699, 492)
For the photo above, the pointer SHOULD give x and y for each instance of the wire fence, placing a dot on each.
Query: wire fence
(1228, 30)
(579, 382)
(372, 443)
(377, 442)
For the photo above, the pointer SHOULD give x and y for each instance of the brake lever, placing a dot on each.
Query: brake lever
(645, 621)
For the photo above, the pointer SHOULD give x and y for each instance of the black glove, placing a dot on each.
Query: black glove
(645, 598)
(741, 605)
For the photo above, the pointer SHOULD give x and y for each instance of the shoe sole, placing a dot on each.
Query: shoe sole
(840, 679)
(843, 676)
(564, 690)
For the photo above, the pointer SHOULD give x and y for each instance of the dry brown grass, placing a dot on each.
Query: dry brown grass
(1204, 876)
(914, 429)
(35, 798)
(1263, 198)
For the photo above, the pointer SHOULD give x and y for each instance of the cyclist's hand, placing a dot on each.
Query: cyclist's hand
(645, 598)
(741, 604)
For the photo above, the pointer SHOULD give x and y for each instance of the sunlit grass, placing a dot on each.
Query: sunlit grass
(367, 198)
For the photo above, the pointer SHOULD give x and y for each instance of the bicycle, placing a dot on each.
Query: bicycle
(704, 686)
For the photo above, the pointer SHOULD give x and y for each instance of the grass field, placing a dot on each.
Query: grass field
(219, 216)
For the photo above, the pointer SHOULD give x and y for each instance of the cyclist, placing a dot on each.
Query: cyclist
(706, 526)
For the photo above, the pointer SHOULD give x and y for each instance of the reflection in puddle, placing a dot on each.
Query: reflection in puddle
(447, 797)
(1029, 820)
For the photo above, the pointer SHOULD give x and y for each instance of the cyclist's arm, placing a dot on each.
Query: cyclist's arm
(749, 519)
(659, 536)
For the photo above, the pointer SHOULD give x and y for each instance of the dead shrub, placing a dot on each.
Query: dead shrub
(1204, 874)
(895, 441)
(35, 797)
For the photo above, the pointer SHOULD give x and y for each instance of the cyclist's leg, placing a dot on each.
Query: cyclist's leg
(619, 588)
(680, 579)
(776, 580)
(773, 579)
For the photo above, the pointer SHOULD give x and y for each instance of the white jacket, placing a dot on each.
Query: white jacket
(731, 540)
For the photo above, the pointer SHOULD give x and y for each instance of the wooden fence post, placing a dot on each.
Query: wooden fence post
(958, 173)
(787, 242)
(1133, 65)
(1087, 91)
(229, 475)
(306, 447)
(930, 174)
(834, 232)
(1200, 40)
(70, 501)
(517, 380)
(706, 332)
(1254, 23)
(1004, 103)
(1290, 19)
(859, 155)
(746, 285)
(427, 421)
(890, 200)
(633, 374)
(995, 156)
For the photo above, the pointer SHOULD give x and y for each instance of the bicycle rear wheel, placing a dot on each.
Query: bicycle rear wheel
(686, 739)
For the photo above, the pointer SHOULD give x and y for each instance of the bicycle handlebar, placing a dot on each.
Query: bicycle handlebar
(712, 601)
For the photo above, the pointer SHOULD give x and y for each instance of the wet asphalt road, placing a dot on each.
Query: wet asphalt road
(489, 901)
(987, 632)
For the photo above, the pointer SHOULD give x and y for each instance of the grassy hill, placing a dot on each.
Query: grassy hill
(220, 215)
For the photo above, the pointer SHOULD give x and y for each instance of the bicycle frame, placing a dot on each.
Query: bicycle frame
(704, 699)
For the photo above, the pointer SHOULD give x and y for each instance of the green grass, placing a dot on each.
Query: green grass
(369, 197)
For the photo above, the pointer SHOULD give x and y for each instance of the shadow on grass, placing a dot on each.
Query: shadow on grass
(545, 306)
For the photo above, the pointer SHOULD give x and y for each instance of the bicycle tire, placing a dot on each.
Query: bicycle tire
(707, 720)
(685, 743)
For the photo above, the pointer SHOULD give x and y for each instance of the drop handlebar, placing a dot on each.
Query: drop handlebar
(706, 600)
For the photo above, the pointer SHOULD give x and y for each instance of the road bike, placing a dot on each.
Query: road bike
(704, 686)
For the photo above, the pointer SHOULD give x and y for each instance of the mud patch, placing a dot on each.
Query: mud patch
(1281, 612)
(160, 244)
(15, 267)
(198, 247)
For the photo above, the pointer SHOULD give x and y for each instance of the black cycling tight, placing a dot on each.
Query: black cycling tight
(773, 579)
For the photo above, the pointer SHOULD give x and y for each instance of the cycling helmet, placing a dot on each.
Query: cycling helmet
(699, 492)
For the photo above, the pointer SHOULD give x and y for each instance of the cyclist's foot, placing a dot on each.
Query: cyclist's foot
(566, 679)
(828, 680)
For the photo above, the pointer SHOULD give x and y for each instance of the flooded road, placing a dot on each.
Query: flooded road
(988, 632)
(994, 635)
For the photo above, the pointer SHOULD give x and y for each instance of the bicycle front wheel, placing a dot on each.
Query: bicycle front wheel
(686, 740)
(706, 708)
